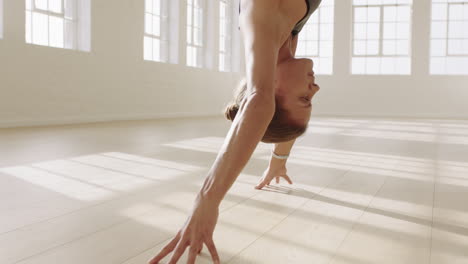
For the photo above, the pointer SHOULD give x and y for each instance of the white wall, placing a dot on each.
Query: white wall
(417, 95)
(42, 85)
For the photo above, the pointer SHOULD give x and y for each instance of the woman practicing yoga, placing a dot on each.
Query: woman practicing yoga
(273, 106)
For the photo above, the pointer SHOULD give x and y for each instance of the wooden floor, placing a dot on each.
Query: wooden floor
(365, 191)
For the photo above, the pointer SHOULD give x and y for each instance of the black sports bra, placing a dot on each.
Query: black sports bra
(312, 5)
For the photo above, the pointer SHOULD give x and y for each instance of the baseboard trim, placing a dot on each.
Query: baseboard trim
(84, 120)
(421, 116)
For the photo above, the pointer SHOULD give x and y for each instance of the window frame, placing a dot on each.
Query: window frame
(381, 39)
(447, 35)
(228, 37)
(60, 15)
(389, 58)
(199, 48)
(163, 37)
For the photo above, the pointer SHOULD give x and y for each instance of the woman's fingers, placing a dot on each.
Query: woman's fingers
(166, 250)
(193, 252)
(181, 246)
(263, 181)
(199, 251)
(213, 252)
(286, 177)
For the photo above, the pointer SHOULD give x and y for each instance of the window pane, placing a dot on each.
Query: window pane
(148, 6)
(372, 47)
(439, 11)
(360, 14)
(148, 24)
(438, 48)
(70, 12)
(455, 29)
(28, 27)
(41, 4)
(157, 7)
(389, 31)
(55, 6)
(439, 29)
(373, 14)
(156, 26)
(402, 47)
(148, 48)
(70, 35)
(29, 4)
(390, 13)
(388, 65)
(189, 35)
(403, 13)
(189, 17)
(326, 32)
(40, 29)
(389, 47)
(156, 49)
(456, 12)
(326, 15)
(56, 32)
(199, 18)
(455, 46)
(373, 65)
(403, 31)
(360, 31)
(373, 31)
(465, 29)
(358, 66)
(326, 48)
(360, 47)
(198, 39)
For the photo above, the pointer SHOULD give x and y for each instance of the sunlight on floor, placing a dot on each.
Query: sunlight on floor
(100, 176)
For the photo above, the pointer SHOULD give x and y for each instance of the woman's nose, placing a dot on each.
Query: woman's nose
(315, 88)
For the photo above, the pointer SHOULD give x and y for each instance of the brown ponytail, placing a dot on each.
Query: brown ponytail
(281, 127)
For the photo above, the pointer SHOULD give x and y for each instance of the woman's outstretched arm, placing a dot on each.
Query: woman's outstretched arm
(261, 27)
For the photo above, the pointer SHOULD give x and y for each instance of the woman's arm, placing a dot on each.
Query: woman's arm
(261, 30)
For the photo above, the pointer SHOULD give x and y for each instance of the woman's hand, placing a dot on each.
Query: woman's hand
(277, 172)
(197, 230)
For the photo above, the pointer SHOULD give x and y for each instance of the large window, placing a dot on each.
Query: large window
(58, 23)
(156, 30)
(381, 37)
(195, 32)
(316, 38)
(449, 37)
(225, 40)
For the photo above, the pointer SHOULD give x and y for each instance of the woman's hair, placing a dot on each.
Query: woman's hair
(281, 128)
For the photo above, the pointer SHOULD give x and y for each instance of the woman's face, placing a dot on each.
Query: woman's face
(295, 86)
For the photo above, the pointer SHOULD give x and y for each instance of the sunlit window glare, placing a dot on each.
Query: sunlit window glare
(382, 37)
(195, 32)
(156, 30)
(449, 37)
